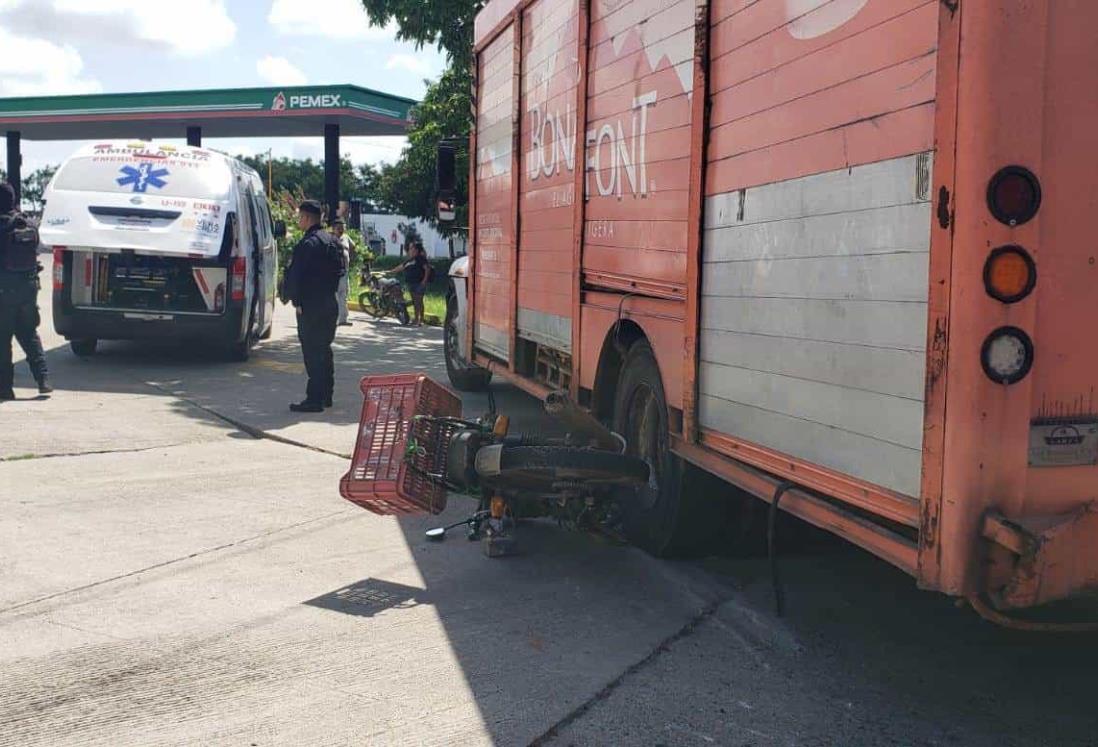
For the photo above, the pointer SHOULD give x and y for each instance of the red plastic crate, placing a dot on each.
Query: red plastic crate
(383, 478)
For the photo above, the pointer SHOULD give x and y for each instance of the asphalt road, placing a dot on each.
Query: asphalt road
(168, 577)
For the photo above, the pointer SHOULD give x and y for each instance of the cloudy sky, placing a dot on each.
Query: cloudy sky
(54, 47)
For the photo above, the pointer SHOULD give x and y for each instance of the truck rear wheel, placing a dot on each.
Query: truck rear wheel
(84, 347)
(674, 514)
(463, 377)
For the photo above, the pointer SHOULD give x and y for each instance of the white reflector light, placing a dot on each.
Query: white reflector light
(1007, 355)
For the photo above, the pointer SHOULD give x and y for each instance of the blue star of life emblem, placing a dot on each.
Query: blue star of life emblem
(142, 177)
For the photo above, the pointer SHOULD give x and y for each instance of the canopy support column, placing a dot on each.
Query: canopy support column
(331, 170)
(15, 165)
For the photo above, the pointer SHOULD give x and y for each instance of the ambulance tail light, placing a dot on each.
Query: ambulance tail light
(239, 277)
(59, 268)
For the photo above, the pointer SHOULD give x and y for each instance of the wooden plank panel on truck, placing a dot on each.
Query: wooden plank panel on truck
(811, 243)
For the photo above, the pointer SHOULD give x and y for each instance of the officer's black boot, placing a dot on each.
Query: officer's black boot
(44, 386)
(307, 405)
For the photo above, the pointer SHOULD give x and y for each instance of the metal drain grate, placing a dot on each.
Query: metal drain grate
(368, 597)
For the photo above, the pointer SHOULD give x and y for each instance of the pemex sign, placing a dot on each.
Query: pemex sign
(327, 100)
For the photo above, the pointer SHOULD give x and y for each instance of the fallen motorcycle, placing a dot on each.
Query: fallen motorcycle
(414, 448)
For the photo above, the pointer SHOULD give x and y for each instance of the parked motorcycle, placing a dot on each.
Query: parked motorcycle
(383, 296)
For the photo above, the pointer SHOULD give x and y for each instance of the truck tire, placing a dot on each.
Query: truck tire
(84, 347)
(673, 514)
(463, 377)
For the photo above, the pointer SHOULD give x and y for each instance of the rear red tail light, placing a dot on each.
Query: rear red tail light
(239, 279)
(59, 268)
(1014, 195)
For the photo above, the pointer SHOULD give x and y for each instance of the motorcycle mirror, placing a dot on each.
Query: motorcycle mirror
(437, 534)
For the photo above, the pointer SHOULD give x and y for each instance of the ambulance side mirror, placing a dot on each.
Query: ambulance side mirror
(280, 229)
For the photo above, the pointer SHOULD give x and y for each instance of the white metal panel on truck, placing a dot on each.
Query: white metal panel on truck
(814, 315)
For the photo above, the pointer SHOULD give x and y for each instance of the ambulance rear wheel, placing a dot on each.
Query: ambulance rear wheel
(84, 347)
(241, 350)
(673, 514)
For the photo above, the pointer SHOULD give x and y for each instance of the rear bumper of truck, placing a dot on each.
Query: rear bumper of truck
(119, 324)
(1039, 559)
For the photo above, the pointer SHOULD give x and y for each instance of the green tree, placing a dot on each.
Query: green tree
(34, 187)
(407, 187)
(284, 205)
(307, 176)
(447, 24)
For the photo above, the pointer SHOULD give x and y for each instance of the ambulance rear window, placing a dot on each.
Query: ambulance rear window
(151, 172)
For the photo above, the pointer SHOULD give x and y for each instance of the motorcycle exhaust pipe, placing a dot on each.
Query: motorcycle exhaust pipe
(582, 423)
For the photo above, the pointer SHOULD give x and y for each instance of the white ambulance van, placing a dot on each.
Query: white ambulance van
(156, 241)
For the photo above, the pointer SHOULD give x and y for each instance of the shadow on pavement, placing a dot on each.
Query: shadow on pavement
(370, 596)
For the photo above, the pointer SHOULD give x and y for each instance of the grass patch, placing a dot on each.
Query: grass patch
(434, 304)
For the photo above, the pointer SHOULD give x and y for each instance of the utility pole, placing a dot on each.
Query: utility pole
(269, 172)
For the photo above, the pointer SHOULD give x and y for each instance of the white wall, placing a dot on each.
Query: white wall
(435, 244)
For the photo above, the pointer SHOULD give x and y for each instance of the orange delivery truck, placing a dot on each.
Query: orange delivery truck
(832, 252)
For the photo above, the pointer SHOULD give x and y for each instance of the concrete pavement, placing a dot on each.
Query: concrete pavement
(168, 578)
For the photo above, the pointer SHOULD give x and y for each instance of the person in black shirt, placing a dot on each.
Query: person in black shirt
(310, 283)
(417, 273)
(19, 286)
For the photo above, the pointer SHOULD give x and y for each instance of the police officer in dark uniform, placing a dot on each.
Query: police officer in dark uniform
(310, 283)
(19, 316)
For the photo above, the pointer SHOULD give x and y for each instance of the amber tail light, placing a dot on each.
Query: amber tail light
(1010, 274)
